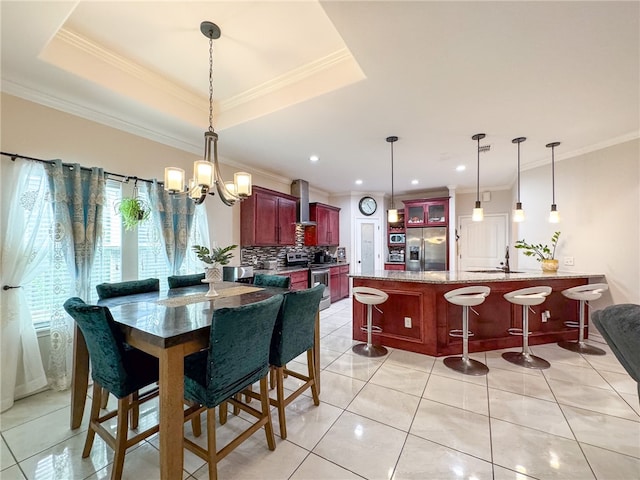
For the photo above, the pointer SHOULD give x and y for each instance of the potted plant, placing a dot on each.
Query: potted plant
(542, 253)
(133, 212)
(213, 260)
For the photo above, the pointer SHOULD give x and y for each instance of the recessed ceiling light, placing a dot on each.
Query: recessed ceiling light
(461, 168)
(314, 158)
(358, 182)
(414, 181)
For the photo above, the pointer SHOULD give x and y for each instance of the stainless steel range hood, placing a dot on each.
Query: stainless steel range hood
(300, 189)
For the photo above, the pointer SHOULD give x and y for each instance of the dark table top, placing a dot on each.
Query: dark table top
(156, 321)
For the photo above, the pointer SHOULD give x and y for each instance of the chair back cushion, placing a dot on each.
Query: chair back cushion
(238, 353)
(620, 327)
(119, 289)
(114, 365)
(272, 280)
(294, 329)
(177, 281)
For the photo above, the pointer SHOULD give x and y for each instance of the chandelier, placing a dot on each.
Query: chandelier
(206, 172)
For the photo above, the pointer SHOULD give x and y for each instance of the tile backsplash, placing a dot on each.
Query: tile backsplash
(256, 255)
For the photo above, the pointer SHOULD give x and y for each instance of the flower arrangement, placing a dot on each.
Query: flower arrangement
(541, 252)
(215, 256)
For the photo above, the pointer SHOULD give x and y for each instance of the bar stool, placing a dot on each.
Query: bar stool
(583, 293)
(369, 296)
(466, 297)
(526, 297)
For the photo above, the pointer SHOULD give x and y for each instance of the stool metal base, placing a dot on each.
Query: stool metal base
(581, 347)
(369, 350)
(468, 366)
(526, 360)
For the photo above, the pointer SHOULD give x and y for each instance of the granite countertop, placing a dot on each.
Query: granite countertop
(467, 277)
(298, 268)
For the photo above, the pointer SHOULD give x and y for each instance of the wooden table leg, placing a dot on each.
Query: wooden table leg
(79, 378)
(171, 412)
(316, 349)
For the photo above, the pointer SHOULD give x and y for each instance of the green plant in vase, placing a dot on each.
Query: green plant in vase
(542, 253)
(214, 259)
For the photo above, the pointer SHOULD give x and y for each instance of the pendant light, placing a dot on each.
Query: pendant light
(554, 216)
(478, 213)
(518, 213)
(206, 172)
(392, 213)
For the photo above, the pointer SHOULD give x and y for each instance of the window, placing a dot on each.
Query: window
(52, 286)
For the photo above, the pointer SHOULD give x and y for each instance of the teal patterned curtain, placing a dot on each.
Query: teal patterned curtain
(174, 215)
(77, 197)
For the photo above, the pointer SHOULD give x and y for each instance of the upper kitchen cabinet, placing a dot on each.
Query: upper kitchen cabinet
(268, 218)
(426, 212)
(326, 231)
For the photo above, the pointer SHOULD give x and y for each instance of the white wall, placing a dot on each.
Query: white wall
(598, 197)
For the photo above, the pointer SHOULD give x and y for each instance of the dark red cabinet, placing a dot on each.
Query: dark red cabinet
(339, 282)
(427, 212)
(326, 231)
(268, 218)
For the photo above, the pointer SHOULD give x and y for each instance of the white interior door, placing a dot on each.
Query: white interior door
(482, 244)
(367, 248)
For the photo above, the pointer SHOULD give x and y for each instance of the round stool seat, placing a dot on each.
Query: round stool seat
(526, 297)
(584, 294)
(369, 297)
(469, 296)
(466, 297)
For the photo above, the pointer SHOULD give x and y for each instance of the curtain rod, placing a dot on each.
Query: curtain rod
(125, 178)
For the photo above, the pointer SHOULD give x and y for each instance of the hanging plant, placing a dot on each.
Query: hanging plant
(133, 210)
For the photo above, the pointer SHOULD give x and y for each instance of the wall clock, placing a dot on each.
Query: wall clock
(368, 205)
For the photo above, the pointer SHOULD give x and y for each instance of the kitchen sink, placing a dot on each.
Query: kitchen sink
(495, 270)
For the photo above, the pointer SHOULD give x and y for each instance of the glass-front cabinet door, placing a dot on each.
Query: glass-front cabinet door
(436, 213)
(414, 215)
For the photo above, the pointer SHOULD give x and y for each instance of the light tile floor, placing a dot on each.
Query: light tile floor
(402, 416)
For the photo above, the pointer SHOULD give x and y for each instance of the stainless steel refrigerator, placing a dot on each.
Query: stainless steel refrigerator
(426, 249)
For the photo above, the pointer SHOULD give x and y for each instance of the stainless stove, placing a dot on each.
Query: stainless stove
(318, 273)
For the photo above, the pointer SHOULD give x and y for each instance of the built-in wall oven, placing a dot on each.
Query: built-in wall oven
(321, 275)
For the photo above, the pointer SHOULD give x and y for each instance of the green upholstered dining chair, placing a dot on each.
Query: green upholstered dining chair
(120, 289)
(620, 327)
(177, 281)
(265, 280)
(118, 369)
(293, 335)
(238, 356)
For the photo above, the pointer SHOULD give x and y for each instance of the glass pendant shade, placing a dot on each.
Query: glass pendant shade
(203, 173)
(478, 213)
(242, 181)
(392, 215)
(231, 187)
(518, 213)
(554, 215)
(174, 179)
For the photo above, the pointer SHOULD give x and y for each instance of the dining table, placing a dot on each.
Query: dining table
(169, 325)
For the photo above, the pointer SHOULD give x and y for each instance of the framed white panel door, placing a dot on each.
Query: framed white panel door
(482, 245)
(367, 246)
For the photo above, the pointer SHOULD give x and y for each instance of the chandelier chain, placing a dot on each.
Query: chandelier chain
(211, 84)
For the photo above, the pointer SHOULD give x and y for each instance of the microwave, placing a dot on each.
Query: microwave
(396, 238)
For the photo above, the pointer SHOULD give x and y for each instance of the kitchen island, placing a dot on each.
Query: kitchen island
(417, 318)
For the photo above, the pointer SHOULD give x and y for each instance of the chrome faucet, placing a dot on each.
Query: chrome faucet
(504, 266)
